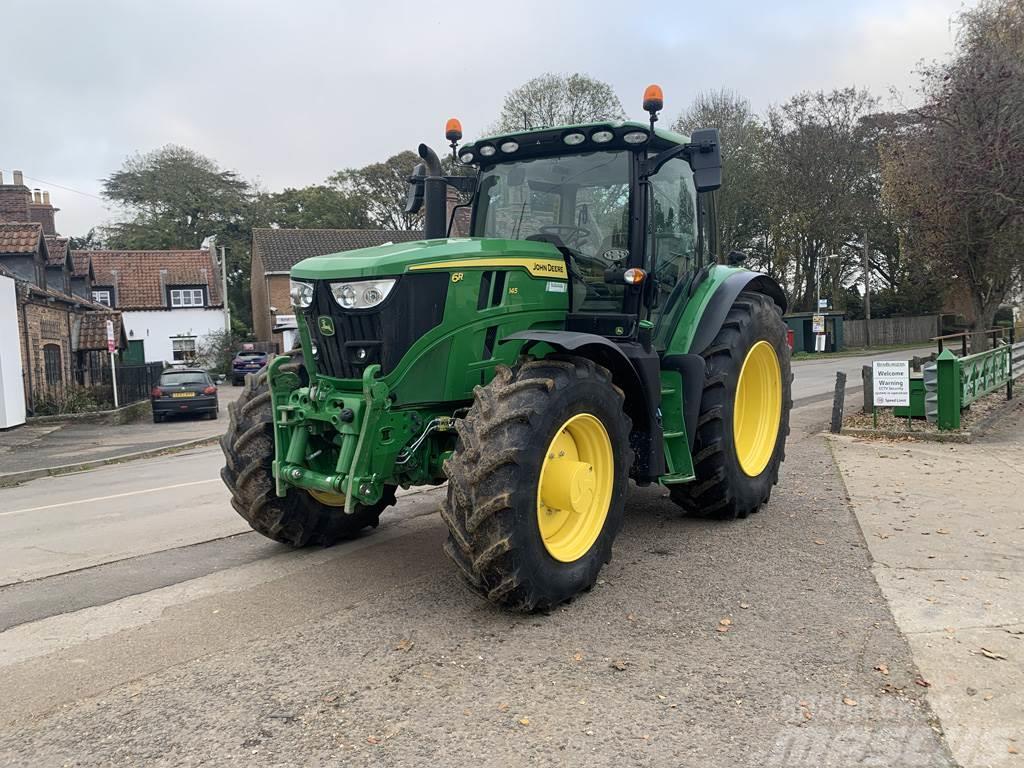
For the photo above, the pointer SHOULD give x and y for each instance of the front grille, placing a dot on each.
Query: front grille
(414, 307)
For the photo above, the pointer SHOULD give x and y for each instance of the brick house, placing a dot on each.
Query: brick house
(170, 301)
(276, 251)
(49, 317)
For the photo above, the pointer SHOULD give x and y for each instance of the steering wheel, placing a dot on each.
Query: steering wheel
(570, 234)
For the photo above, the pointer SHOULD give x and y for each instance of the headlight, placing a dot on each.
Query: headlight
(487, 150)
(301, 293)
(572, 139)
(466, 157)
(509, 147)
(602, 137)
(635, 137)
(363, 294)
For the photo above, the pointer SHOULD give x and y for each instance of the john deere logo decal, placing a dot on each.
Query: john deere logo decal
(326, 325)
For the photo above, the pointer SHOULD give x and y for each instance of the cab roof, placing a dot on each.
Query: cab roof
(538, 142)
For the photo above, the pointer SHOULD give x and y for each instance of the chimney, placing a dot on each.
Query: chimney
(41, 212)
(14, 200)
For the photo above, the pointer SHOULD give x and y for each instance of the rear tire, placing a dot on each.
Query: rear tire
(494, 508)
(297, 519)
(722, 489)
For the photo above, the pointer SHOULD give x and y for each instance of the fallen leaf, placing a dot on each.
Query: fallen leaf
(577, 656)
(849, 702)
(744, 606)
(725, 622)
(819, 542)
(987, 697)
(943, 531)
(618, 664)
(404, 645)
(923, 683)
(631, 616)
(883, 668)
(372, 740)
(503, 707)
(1012, 750)
(524, 721)
(991, 654)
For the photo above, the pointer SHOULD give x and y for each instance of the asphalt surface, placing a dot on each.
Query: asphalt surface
(177, 640)
(815, 379)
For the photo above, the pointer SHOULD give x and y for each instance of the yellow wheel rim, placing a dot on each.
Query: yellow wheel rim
(330, 499)
(575, 487)
(757, 409)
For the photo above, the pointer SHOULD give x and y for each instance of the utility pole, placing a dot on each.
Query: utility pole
(867, 290)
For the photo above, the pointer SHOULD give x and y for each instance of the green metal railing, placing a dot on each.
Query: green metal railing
(960, 381)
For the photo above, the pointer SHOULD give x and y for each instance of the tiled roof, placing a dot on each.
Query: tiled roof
(57, 250)
(92, 334)
(82, 262)
(20, 237)
(140, 278)
(281, 249)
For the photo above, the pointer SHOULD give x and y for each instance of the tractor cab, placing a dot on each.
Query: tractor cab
(628, 207)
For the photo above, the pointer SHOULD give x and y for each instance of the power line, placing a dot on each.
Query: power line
(61, 186)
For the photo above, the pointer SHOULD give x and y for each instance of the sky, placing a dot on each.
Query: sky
(285, 93)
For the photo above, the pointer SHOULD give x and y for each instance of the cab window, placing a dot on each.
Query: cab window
(672, 231)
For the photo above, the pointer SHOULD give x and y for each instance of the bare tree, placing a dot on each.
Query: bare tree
(554, 99)
(957, 172)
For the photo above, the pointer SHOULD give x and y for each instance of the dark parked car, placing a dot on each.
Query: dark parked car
(247, 361)
(184, 390)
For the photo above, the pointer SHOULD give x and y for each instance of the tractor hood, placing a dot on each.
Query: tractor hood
(538, 258)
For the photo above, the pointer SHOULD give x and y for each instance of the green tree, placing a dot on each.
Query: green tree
(554, 99)
(315, 207)
(380, 190)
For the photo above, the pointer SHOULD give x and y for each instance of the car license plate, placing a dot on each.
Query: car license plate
(183, 394)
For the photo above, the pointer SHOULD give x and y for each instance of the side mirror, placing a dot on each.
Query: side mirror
(706, 159)
(414, 197)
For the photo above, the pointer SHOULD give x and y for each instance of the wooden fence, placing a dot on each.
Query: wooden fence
(891, 330)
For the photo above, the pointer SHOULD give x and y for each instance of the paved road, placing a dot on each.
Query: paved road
(816, 379)
(185, 642)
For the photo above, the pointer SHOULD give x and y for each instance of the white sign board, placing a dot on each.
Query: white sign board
(822, 303)
(891, 381)
(110, 336)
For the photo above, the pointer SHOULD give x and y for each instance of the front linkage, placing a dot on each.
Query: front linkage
(350, 444)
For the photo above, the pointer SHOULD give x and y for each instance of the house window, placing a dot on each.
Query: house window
(183, 350)
(102, 296)
(187, 297)
(51, 363)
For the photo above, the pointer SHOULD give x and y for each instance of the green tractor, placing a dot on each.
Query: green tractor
(582, 337)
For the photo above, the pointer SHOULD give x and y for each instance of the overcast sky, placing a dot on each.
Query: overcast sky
(287, 92)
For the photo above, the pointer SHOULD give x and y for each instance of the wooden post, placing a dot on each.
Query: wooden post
(838, 401)
(867, 291)
(869, 388)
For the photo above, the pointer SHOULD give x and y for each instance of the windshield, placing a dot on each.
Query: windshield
(251, 354)
(578, 201)
(179, 378)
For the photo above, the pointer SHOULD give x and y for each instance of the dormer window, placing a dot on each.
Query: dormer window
(104, 296)
(187, 297)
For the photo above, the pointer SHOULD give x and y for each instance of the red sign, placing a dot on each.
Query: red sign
(110, 336)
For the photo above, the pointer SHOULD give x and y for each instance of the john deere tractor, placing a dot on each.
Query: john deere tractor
(581, 337)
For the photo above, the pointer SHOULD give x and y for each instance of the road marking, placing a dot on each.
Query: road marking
(112, 496)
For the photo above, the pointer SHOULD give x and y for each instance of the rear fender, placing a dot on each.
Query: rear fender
(707, 308)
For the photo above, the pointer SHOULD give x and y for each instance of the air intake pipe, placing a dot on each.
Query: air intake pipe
(435, 196)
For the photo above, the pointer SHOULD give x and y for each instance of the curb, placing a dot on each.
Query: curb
(9, 479)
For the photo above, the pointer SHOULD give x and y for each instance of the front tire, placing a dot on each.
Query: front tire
(744, 414)
(298, 518)
(537, 482)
